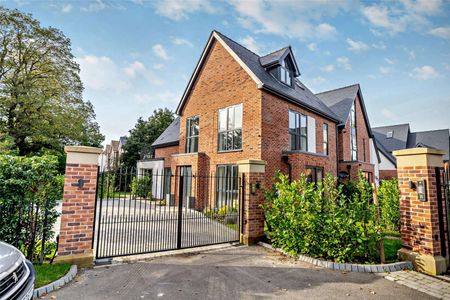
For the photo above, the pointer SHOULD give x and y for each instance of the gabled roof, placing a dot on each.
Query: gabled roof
(340, 100)
(399, 137)
(402, 138)
(114, 145)
(250, 62)
(437, 139)
(123, 140)
(170, 136)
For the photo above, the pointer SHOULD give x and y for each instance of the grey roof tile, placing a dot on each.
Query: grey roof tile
(399, 136)
(340, 100)
(437, 139)
(273, 57)
(300, 94)
(170, 136)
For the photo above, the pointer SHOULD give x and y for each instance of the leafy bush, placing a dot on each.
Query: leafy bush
(225, 214)
(107, 185)
(320, 221)
(29, 189)
(141, 186)
(389, 199)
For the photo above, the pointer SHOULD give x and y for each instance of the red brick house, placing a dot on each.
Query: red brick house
(239, 105)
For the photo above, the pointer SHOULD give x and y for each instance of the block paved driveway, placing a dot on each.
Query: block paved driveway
(232, 273)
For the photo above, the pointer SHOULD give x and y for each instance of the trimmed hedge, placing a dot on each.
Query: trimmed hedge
(319, 220)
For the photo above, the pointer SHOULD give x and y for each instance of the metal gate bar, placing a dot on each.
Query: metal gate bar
(152, 212)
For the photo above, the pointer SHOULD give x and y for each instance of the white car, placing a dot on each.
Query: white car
(16, 274)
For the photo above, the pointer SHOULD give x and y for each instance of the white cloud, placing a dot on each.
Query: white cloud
(379, 46)
(328, 68)
(344, 63)
(395, 17)
(250, 43)
(389, 61)
(164, 97)
(101, 73)
(312, 46)
(384, 70)
(95, 6)
(180, 41)
(66, 8)
(424, 73)
(317, 80)
(388, 114)
(282, 17)
(158, 66)
(429, 7)
(442, 32)
(356, 46)
(181, 9)
(159, 51)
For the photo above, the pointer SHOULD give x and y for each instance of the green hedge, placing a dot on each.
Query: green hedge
(29, 186)
(389, 199)
(319, 220)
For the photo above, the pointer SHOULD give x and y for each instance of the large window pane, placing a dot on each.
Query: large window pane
(222, 119)
(292, 116)
(238, 116)
(192, 132)
(298, 131)
(227, 186)
(230, 134)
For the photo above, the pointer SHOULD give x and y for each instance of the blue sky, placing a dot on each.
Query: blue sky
(136, 56)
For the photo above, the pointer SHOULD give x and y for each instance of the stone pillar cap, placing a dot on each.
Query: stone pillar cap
(83, 149)
(251, 162)
(417, 151)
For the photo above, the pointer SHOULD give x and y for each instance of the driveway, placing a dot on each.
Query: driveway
(232, 273)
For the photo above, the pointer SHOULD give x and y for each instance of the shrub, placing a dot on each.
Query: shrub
(141, 186)
(320, 221)
(107, 185)
(29, 189)
(389, 199)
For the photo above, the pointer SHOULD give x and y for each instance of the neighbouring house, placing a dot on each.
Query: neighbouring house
(111, 155)
(239, 106)
(397, 137)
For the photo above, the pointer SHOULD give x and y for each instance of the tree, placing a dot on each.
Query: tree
(143, 135)
(41, 105)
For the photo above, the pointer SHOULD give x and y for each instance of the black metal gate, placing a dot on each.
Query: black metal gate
(158, 211)
(443, 197)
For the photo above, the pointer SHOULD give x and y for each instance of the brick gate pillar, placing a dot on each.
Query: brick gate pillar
(77, 218)
(419, 221)
(252, 213)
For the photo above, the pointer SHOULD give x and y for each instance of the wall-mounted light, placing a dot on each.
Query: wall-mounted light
(422, 190)
(412, 185)
(79, 183)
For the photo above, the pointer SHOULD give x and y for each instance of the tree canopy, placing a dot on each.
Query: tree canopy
(143, 135)
(41, 104)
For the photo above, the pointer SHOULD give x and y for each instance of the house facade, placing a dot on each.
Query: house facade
(242, 106)
(398, 137)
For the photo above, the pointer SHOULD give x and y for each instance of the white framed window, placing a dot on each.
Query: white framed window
(230, 128)
(192, 131)
(298, 131)
(353, 141)
(325, 138)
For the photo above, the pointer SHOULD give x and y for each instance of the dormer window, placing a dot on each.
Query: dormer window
(286, 73)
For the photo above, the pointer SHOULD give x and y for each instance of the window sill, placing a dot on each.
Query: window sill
(229, 151)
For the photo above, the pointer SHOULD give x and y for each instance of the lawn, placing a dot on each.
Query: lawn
(47, 273)
(391, 246)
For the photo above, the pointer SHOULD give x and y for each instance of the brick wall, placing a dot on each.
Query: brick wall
(166, 153)
(419, 221)
(222, 83)
(362, 139)
(275, 139)
(77, 216)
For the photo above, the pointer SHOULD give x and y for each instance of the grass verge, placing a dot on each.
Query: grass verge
(47, 273)
(391, 247)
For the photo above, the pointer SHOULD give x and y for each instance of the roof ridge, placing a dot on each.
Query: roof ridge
(276, 51)
(236, 43)
(403, 124)
(432, 130)
(341, 88)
